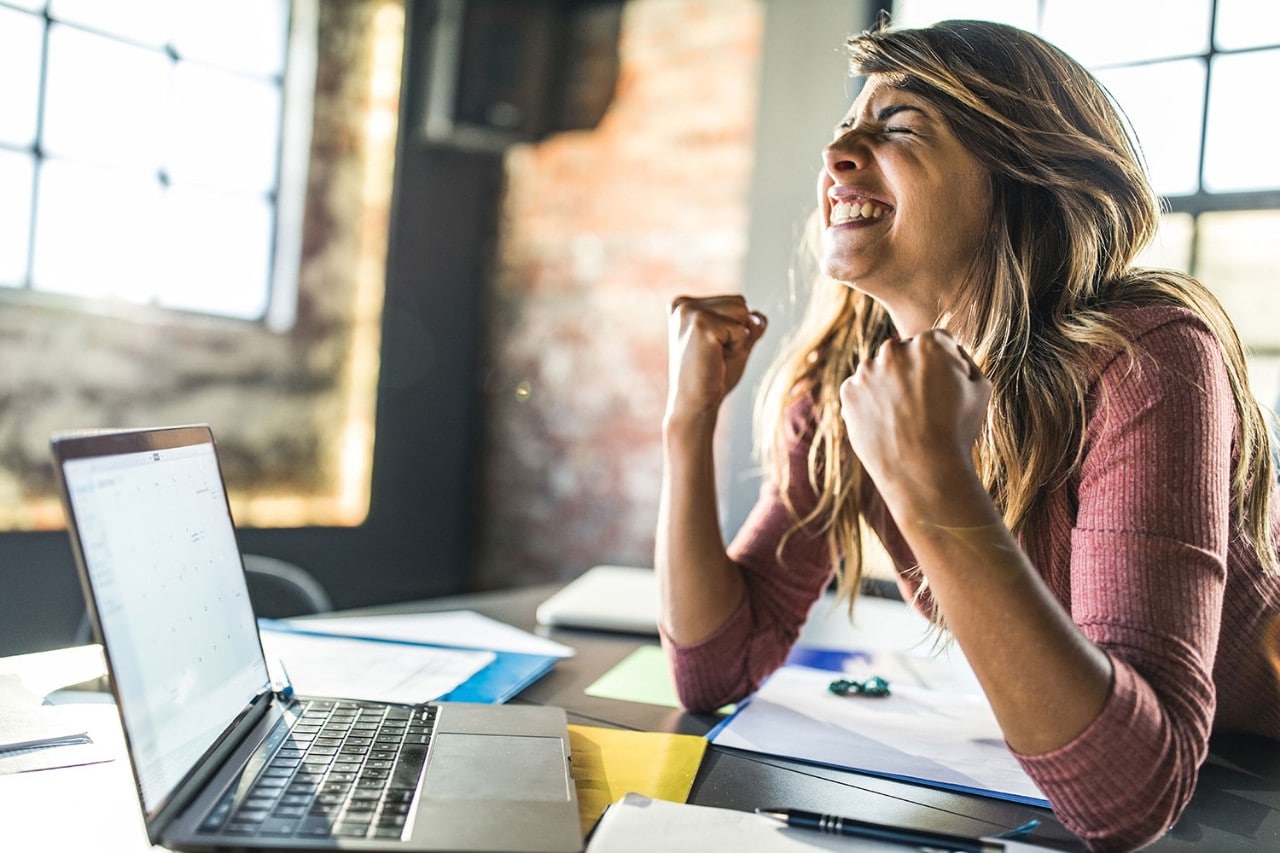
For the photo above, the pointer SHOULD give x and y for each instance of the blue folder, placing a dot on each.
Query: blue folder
(505, 676)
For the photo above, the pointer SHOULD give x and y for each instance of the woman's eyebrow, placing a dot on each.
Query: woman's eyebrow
(885, 113)
(890, 110)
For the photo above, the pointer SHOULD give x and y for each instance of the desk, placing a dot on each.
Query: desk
(1236, 808)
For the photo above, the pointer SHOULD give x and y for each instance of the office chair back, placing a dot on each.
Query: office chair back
(278, 589)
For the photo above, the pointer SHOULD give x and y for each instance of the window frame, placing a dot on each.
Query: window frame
(1192, 205)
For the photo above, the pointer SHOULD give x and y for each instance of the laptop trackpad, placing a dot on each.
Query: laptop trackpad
(496, 767)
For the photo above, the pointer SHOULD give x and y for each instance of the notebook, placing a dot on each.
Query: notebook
(221, 759)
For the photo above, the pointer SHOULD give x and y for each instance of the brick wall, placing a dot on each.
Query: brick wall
(600, 229)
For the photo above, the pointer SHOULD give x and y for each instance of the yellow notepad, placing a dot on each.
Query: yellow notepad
(608, 763)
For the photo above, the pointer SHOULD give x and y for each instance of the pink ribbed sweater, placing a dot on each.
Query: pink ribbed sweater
(1139, 547)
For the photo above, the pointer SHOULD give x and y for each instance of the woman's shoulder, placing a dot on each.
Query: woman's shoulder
(1139, 321)
(1155, 313)
(1174, 340)
(1150, 299)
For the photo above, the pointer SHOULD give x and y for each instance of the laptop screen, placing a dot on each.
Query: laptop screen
(159, 547)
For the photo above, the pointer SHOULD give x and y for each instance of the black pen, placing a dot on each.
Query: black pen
(879, 832)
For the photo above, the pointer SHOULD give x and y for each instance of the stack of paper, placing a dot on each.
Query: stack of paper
(459, 656)
(451, 628)
(30, 732)
(941, 738)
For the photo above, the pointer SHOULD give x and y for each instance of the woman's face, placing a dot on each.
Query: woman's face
(904, 205)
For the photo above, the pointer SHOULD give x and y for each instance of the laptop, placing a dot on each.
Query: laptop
(223, 761)
(605, 598)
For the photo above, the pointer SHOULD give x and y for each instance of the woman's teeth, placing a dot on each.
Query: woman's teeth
(845, 211)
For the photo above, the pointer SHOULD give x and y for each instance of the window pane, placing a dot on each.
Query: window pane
(1240, 146)
(96, 232)
(920, 13)
(1171, 248)
(1264, 377)
(225, 129)
(1247, 23)
(21, 46)
(218, 256)
(16, 172)
(145, 21)
(247, 35)
(1239, 260)
(1164, 101)
(105, 100)
(1100, 32)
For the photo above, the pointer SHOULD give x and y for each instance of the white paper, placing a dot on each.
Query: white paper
(896, 635)
(76, 808)
(34, 736)
(878, 623)
(44, 672)
(950, 739)
(359, 669)
(637, 824)
(460, 628)
(25, 722)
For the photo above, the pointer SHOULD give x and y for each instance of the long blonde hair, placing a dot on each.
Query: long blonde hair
(1072, 209)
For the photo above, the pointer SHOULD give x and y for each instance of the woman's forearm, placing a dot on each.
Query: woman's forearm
(1045, 680)
(912, 413)
(698, 584)
(710, 340)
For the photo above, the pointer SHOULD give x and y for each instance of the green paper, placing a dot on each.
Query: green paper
(642, 676)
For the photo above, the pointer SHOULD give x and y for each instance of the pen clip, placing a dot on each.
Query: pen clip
(1019, 831)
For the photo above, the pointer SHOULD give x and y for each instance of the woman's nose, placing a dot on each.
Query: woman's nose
(847, 152)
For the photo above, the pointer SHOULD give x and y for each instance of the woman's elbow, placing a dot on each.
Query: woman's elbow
(1140, 822)
(699, 697)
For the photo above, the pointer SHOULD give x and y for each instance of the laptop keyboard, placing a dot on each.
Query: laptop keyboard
(345, 769)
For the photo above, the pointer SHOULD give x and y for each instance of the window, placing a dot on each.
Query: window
(292, 402)
(1194, 88)
(145, 152)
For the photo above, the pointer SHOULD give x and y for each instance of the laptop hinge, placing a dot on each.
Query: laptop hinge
(187, 790)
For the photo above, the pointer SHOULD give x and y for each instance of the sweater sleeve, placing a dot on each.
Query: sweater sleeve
(756, 638)
(1148, 569)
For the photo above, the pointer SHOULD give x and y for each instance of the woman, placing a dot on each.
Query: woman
(1060, 451)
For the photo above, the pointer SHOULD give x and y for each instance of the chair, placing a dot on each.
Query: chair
(277, 590)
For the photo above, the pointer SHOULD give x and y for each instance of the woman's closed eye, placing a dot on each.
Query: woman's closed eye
(890, 130)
